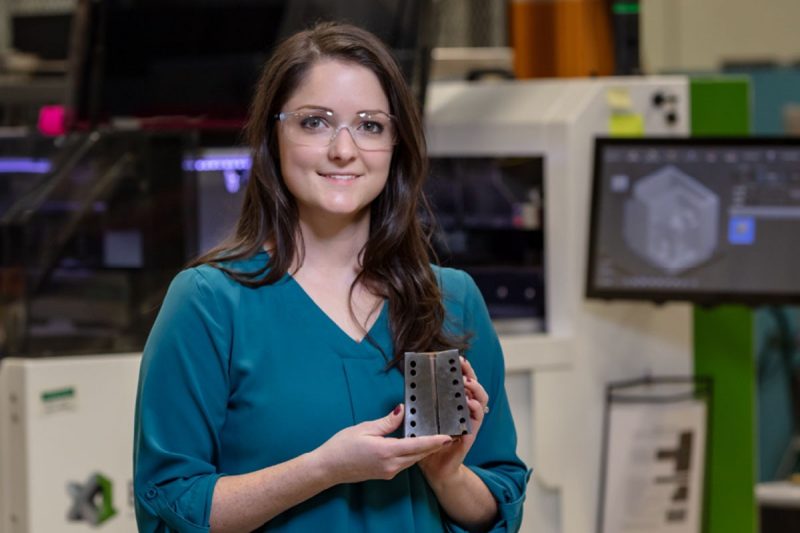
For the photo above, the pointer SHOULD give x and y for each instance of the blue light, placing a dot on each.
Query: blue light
(24, 166)
(212, 164)
(741, 230)
(233, 181)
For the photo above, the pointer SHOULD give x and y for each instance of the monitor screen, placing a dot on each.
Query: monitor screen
(706, 220)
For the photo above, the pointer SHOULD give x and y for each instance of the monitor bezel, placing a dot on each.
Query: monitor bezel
(703, 298)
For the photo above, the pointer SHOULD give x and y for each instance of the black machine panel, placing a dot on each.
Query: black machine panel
(489, 212)
(195, 63)
(91, 232)
(216, 180)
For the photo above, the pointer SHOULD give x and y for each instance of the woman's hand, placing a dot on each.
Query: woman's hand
(363, 451)
(444, 466)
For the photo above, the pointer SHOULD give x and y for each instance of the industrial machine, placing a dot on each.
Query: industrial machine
(556, 377)
(92, 231)
(66, 434)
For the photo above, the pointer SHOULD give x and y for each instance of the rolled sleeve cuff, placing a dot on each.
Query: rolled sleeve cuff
(187, 513)
(509, 502)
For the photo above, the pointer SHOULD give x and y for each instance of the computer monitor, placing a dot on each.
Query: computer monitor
(705, 220)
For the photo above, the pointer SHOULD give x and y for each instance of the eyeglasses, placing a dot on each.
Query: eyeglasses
(370, 130)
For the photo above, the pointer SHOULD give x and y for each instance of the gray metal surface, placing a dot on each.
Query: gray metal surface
(420, 384)
(451, 397)
(434, 395)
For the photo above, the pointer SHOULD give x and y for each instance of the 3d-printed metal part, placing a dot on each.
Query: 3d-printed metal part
(671, 220)
(436, 403)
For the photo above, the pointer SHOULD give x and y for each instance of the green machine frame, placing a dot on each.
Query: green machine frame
(724, 344)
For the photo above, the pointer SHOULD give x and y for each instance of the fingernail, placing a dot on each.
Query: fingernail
(396, 410)
(462, 358)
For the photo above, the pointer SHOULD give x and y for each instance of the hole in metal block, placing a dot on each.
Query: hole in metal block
(460, 407)
(413, 385)
(458, 395)
(452, 361)
(452, 369)
(413, 424)
(464, 432)
(412, 435)
(413, 372)
(413, 398)
(413, 410)
(413, 364)
(455, 382)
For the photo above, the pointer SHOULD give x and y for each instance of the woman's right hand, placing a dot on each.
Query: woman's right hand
(363, 451)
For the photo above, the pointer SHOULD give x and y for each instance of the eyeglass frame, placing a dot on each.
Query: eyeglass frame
(283, 115)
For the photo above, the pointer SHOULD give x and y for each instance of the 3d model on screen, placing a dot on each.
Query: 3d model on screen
(671, 220)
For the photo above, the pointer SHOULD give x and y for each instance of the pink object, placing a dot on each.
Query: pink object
(52, 120)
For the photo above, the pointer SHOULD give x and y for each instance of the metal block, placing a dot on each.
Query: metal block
(436, 403)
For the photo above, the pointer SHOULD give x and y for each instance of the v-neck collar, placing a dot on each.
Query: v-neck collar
(324, 317)
(333, 325)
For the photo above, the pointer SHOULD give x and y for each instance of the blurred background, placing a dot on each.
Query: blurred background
(620, 177)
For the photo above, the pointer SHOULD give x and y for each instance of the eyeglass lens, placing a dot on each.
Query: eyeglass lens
(370, 131)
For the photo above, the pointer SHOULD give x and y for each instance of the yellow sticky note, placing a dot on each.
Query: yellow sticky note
(619, 99)
(626, 125)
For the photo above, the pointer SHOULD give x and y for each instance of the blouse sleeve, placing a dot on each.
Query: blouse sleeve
(493, 455)
(180, 408)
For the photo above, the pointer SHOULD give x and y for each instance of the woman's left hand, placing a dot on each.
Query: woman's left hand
(444, 465)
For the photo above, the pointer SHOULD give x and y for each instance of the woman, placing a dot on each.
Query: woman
(268, 375)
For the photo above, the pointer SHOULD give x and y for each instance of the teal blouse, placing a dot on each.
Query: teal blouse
(235, 379)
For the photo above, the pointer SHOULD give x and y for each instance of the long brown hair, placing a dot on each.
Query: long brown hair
(396, 257)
